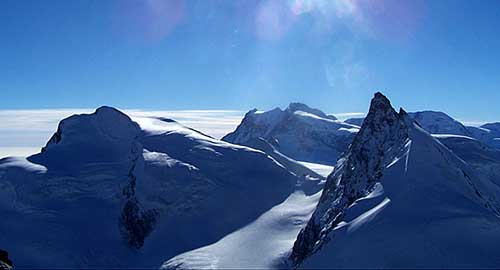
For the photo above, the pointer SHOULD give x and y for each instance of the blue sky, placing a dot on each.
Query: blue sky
(241, 54)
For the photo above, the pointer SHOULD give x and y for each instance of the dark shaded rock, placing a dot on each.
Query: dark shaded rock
(136, 224)
(5, 262)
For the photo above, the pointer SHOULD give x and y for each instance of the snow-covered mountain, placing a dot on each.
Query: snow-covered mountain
(107, 191)
(439, 123)
(399, 198)
(111, 191)
(484, 158)
(299, 132)
(487, 133)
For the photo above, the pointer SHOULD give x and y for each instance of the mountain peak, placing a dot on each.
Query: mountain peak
(299, 132)
(297, 106)
(381, 114)
(105, 134)
(436, 122)
(107, 121)
(379, 101)
(382, 133)
(107, 110)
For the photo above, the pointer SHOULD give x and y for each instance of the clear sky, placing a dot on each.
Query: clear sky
(240, 54)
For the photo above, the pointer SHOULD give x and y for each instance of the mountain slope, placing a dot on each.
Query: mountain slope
(399, 198)
(130, 193)
(439, 123)
(487, 133)
(263, 244)
(299, 132)
(482, 157)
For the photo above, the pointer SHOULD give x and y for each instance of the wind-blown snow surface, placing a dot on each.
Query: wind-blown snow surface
(299, 132)
(110, 192)
(321, 169)
(267, 242)
(263, 244)
(399, 198)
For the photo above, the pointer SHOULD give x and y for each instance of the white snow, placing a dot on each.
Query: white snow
(310, 115)
(351, 130)
(22, 163)
(263, 244)
(162, 159)
(445, 136)
(321, 169)
(367, 216)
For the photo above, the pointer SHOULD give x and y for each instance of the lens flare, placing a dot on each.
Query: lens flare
(273, 19)
(147, 20)
(393, 19)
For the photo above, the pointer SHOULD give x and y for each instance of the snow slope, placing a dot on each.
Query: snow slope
(107, 191)
(299, 132)
(321, 169)
(263, 244)
(296, 167)
(439, 123)
(487, 133)
(399, 198)
(482, 157)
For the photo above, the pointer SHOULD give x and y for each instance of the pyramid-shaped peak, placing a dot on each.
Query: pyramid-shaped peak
(379, 101)
(381, 113)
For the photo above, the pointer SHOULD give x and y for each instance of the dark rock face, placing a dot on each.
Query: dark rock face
(5, 262)
(135, 223)
(383, 131)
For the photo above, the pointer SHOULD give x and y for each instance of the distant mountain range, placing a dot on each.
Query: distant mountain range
(407, 190)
